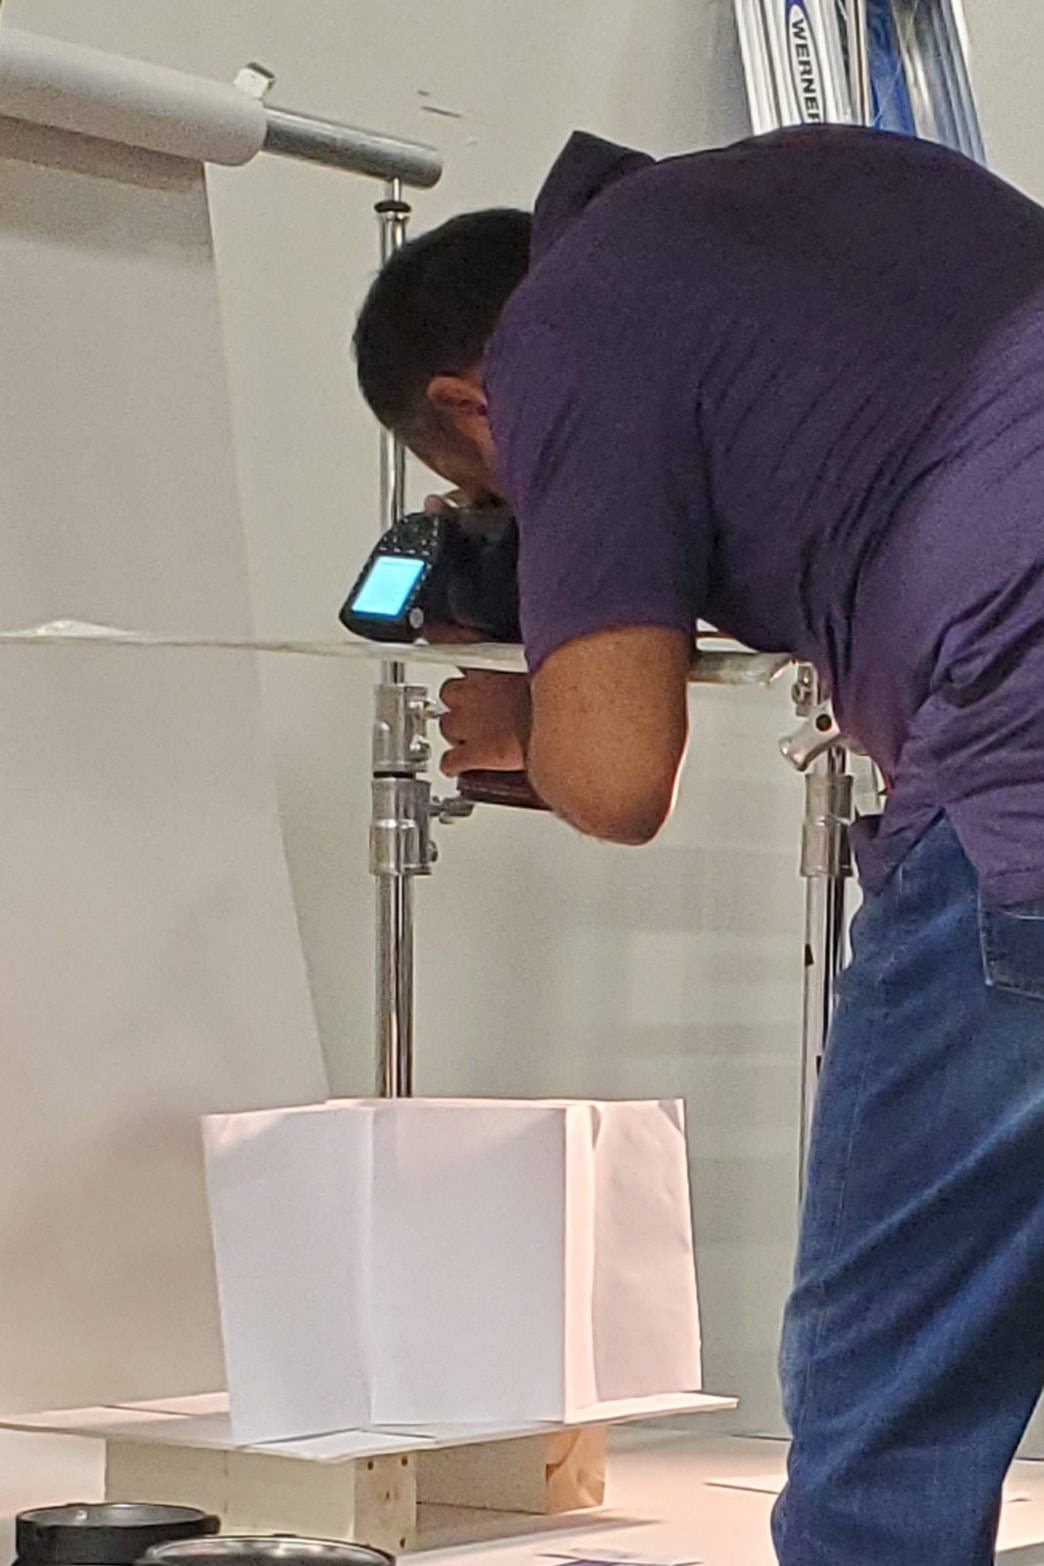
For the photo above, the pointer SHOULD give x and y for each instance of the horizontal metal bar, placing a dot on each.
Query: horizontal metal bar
(348, 147)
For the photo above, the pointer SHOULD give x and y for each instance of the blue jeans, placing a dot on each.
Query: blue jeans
(913, 1343)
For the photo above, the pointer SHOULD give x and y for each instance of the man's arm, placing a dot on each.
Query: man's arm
(611, 495)
(609, 729)
(601, 726)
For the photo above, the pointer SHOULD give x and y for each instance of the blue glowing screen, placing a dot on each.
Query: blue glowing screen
(388, 585)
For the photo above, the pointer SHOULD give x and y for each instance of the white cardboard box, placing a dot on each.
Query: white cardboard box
(450, 1261)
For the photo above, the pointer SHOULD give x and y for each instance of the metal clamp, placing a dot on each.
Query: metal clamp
(453, 808)
(400, 731)
(825, 852)
(819, 750)
(813, 739)
(400, 828)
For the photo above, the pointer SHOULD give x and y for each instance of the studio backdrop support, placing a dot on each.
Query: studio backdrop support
(67, 87)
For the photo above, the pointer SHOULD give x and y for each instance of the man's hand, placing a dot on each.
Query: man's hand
(487, 722)
(445, 505)
(445, 635)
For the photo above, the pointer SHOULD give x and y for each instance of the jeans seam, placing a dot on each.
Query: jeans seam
(985, 943)
(839, 1213)
(900, 873)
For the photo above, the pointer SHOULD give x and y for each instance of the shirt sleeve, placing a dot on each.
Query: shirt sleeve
(601, 460)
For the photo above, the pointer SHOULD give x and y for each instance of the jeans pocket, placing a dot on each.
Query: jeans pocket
(1013, 947)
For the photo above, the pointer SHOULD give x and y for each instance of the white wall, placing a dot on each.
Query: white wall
(1007, 45)
(546, 964)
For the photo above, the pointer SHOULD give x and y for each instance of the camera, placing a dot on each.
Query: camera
(455, 568)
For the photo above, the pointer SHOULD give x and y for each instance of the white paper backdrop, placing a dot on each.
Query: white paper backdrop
(150, 967)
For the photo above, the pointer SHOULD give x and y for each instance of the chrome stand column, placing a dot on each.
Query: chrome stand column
(399, 848)
(818, 750)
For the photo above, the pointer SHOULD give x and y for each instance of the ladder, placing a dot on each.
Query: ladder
(899, 65)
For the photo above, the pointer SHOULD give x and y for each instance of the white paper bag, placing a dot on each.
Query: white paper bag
(450, 1261)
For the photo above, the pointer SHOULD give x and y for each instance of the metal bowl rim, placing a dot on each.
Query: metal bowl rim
(109, 1514)
(273, 1547)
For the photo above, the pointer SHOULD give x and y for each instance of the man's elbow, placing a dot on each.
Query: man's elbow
(631, 827)
(631, 817)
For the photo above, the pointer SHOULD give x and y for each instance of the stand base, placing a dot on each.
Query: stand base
(370, 1500)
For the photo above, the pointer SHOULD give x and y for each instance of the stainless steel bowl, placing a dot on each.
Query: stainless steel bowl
(230, 1550)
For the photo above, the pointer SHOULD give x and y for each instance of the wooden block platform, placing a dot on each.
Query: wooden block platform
(363, 1485)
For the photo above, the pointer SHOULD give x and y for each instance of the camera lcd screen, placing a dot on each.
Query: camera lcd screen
(389, 583)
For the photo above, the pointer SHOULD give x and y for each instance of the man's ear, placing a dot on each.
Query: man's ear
(461, 401)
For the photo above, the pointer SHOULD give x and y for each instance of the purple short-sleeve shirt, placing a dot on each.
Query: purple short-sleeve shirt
(795, 387)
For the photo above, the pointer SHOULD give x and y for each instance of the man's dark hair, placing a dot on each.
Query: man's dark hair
(432, 309)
